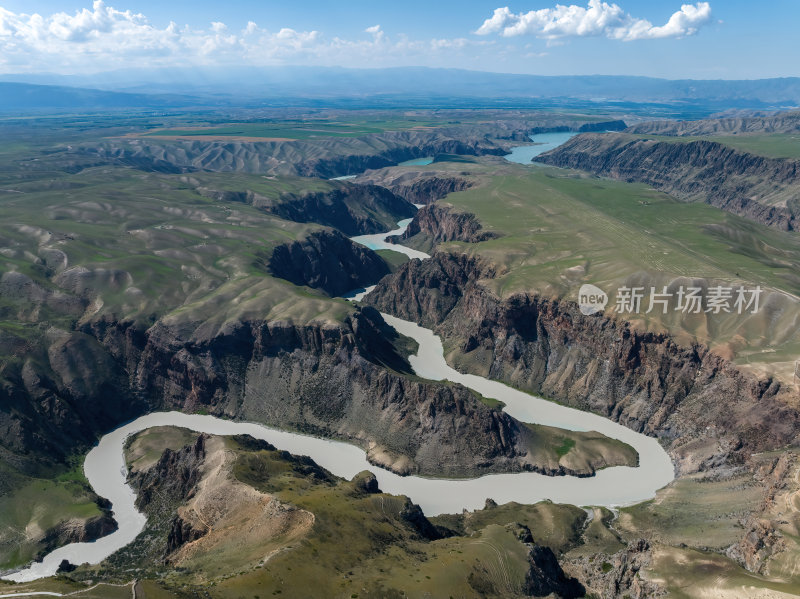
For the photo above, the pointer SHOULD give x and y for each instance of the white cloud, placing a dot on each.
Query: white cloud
(103, 38)
(597, 19)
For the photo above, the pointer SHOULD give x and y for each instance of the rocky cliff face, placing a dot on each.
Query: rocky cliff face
(620, 576)
(762, 537)
(617, 125)
(325, 157)
(77, 531)
(352, 209)
(427, 190)
(545, 576)
(175, 474)
(436, 224)
(339, 381)
(785, 122)
(59, 398)
(705, 410)
(752, 186)
(417, 187)
(329, 261)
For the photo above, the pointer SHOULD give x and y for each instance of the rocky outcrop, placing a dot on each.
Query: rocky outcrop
(327, 260)
(429, 189)
(439, 224)
(545, 576)
(77, 531)
(617, 576)
(417, 187)
(175, 474)
(196, 506)
(752, 186)
(705, 410)
(160, 492)
(759, 543)
(761, 538)
(413, 515)
(352, 209)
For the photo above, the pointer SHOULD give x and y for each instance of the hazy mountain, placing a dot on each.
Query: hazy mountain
(25, 96)
(397, 87)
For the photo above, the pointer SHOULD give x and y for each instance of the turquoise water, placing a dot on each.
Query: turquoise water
(543, 142)
(417, 161)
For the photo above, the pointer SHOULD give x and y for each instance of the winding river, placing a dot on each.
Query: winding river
(106, 470)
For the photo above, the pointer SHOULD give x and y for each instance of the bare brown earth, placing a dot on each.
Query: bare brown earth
(230, 516)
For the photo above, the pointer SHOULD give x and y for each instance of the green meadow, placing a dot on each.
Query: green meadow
(771, 145)
(558, 229)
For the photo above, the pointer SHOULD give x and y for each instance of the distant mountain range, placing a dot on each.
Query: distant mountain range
(26, 97)
(398, 87)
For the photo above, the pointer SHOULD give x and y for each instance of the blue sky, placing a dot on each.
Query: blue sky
(715, 39)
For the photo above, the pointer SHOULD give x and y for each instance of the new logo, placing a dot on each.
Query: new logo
(591, 299)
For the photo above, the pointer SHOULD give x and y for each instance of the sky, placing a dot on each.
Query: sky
(714, 39)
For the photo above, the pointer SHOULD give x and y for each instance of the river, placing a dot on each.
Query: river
(542, 142)
(105, 467)
(106, 471)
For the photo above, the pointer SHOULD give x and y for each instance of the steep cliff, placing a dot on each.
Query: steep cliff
(327, 260)
(339, 381)
(418, 187)
(755, 187)
(782, 122)
(705, 410)
(436, 224)
(352, 209)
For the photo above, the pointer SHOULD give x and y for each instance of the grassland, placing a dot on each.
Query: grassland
(579, 451)
(361, 544)
(65, 586)
(144, 449)
(559, 229)
(297, 130)
(688, 570)
(771, 145)
(693, 574)
(393, 259)
(332, 124)
(695, 511)
(124, 244)
(35, 507)
(144, 244)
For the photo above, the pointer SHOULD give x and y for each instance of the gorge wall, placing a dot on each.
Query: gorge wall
(327, 260)
(706, 411)
(755, 187)
(436, 223)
